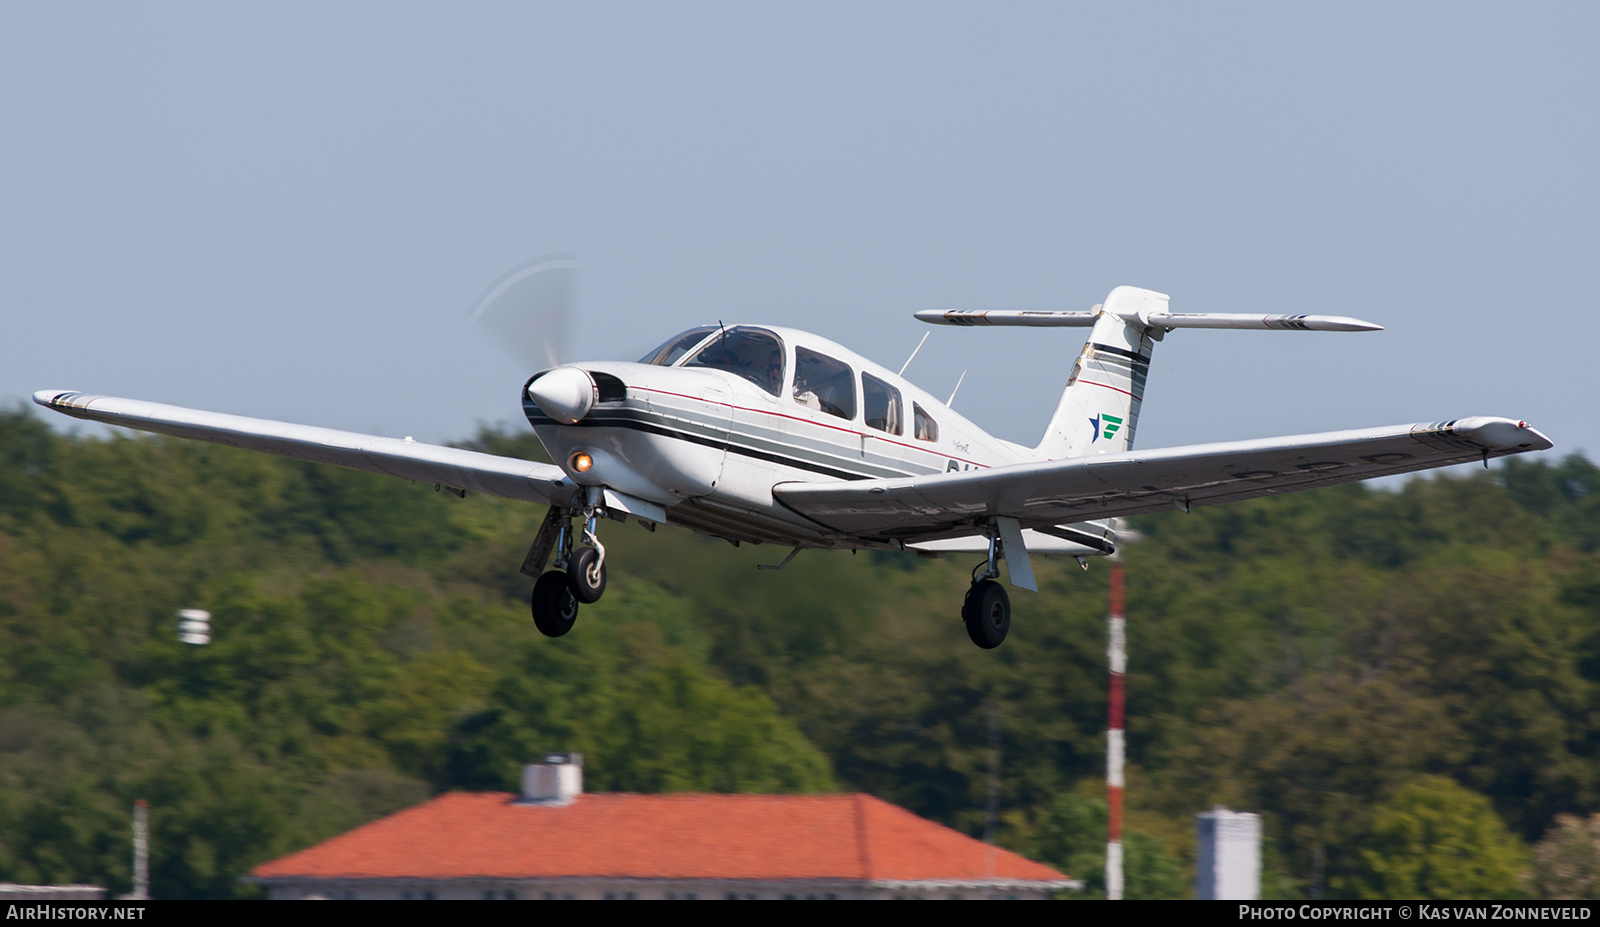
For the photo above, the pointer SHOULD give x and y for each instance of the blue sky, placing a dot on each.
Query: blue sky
(286, 210)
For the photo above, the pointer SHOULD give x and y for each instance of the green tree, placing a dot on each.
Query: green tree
(1071, 835)
(646, 717)
(1436, 839)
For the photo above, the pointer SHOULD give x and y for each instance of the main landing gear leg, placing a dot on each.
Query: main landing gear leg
(557, 593)
(986, 611)
(555, 609)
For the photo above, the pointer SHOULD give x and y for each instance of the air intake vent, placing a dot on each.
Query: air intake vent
(611, 388)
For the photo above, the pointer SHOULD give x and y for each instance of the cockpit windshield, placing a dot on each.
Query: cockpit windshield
(753, 353)
(677, 346)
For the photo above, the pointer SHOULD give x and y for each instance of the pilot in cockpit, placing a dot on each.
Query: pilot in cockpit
(775, 373)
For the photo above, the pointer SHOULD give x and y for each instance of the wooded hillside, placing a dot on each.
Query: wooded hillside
(1361, 666)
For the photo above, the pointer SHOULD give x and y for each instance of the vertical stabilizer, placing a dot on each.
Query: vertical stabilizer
(1099, 409)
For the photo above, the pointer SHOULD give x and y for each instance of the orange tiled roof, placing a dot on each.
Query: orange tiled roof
(682, 836)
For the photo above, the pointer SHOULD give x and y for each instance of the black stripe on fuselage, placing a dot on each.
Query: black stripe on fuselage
(723, 445)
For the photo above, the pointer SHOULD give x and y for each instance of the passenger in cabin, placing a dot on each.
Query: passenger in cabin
(824, 384)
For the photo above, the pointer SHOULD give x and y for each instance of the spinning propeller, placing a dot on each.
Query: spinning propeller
(528, 309)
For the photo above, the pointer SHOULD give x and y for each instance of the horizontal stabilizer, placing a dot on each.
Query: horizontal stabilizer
(1162, 320)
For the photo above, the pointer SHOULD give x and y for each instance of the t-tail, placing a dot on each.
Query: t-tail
(1099, 409)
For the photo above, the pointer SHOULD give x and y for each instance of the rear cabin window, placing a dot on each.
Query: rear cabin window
(825, 384)
(752, 353)
(926, 428)
(677, 346)
(882, 404)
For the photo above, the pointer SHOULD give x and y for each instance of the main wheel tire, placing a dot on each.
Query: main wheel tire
(555, 609)
(586, 575)
(987, 613)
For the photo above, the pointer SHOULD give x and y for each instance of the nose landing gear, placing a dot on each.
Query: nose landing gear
(557, 594)
(586, 567)
(986, 610)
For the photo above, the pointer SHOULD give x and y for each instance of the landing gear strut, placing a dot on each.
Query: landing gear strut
(557, 594)
(586, 566)
(987, 609)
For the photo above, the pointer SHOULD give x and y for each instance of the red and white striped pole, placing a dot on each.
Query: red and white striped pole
(1117, 657)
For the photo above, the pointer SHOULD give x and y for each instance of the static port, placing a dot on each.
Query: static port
(581, 462)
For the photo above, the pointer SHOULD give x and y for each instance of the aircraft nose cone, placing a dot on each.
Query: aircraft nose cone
(566, 394)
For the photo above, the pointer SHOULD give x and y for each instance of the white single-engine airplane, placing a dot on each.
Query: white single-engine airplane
(771, 435)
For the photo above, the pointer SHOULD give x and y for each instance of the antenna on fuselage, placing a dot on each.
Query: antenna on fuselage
(958, 386)
(913, 354)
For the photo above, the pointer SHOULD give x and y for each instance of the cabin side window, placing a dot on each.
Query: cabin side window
(824, 384)
(881, 403)
(926, 428)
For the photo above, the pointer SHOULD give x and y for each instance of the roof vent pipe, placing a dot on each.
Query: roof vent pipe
(556, 781)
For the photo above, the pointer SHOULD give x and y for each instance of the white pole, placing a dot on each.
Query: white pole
(1117, 657)
(141, 849)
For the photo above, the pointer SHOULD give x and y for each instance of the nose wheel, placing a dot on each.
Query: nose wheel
(586, 575)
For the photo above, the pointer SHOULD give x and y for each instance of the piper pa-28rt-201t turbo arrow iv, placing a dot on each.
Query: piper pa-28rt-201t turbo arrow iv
(770, 435)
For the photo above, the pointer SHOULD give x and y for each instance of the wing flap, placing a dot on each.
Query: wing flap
(1037, 542)
(424, 463)
(1081, 489)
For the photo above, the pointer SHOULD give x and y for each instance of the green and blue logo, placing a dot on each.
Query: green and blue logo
(1104, 426)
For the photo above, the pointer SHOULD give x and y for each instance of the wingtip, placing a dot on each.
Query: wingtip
(1344, 323)
(1503, 434)
(48, 397)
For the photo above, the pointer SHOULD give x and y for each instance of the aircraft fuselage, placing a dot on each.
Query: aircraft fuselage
(720, 438)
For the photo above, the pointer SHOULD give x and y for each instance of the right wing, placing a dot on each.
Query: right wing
(1051, 493)
(423, 463)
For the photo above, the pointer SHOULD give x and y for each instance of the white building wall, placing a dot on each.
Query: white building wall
(1229, 860)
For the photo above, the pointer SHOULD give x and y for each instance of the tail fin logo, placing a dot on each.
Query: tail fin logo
(1105, 426)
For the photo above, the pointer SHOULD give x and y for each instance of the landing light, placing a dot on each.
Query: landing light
(581, 462)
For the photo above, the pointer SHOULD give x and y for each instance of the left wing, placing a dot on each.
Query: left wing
(1079, 489)
(424, 463)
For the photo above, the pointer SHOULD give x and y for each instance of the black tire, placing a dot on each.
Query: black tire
(987, 613)
(554, 607)
(586, 575)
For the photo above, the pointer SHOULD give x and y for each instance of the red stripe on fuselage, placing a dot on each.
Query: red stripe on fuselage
(807, 421)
